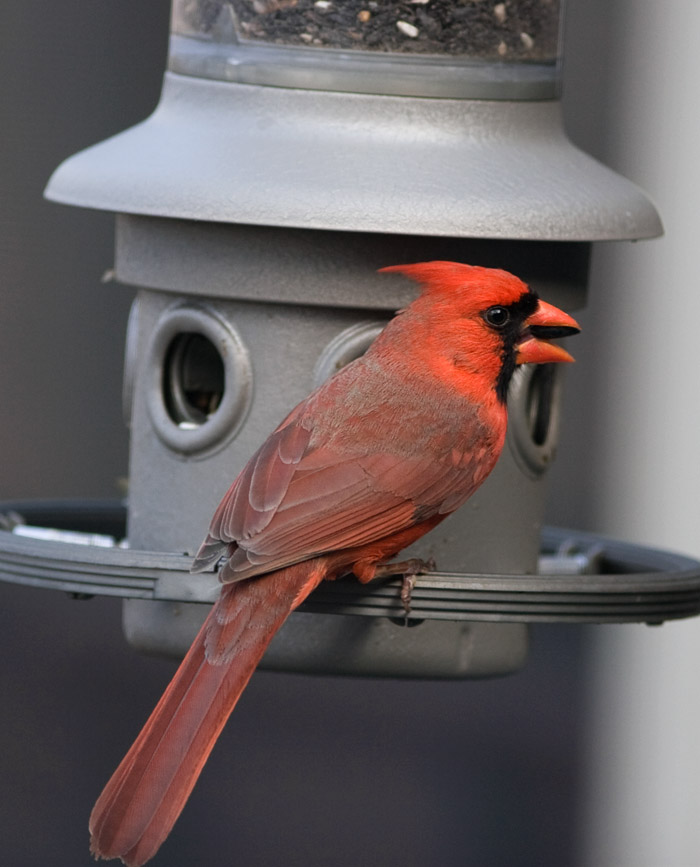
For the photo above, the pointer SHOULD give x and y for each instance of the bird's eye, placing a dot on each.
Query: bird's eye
(497, 317)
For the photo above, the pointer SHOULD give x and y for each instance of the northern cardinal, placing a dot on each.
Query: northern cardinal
(369, 462)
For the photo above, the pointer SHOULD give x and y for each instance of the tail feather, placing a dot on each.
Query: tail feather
(144, 797)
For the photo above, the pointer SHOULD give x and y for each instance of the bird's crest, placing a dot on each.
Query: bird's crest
(449, 279)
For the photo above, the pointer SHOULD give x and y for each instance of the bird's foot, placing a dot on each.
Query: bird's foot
(408, 569)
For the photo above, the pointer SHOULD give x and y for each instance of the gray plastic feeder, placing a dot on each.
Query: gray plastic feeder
(286, 162)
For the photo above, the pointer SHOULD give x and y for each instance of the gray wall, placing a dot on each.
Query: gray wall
(643, 419)
(68, 78)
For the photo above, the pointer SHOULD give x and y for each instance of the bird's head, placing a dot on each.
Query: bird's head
(486, 320)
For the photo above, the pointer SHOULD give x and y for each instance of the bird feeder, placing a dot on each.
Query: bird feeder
(299, 146)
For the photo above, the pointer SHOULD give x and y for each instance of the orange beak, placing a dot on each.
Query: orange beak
(545, 324)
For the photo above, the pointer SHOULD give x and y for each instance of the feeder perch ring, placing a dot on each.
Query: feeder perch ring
(631, 583)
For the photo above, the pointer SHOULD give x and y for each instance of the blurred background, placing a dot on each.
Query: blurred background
(590, 756)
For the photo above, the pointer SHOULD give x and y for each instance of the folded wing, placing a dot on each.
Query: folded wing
(293, 501)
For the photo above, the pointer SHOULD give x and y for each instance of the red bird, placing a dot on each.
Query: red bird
(369, 462)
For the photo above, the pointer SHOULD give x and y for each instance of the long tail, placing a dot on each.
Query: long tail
(144, 797)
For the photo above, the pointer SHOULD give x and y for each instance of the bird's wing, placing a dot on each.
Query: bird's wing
(293, 501)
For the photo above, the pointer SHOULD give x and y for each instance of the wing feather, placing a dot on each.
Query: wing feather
(310, 489)
(254, 497)
(245, 563)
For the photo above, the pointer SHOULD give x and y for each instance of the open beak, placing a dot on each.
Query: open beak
(545, 324)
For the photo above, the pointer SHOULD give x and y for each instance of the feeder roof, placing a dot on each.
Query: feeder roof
(273, 156)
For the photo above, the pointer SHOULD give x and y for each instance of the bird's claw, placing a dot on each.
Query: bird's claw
(409, 570)
(412, 568)
(409, 582)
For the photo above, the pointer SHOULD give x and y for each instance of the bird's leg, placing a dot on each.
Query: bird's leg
(408, 569)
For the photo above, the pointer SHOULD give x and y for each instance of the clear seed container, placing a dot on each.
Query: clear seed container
(452, 48)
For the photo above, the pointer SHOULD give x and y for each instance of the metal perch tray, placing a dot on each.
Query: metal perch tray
(74, 546)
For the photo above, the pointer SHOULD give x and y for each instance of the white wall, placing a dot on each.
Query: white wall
(643, 797)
